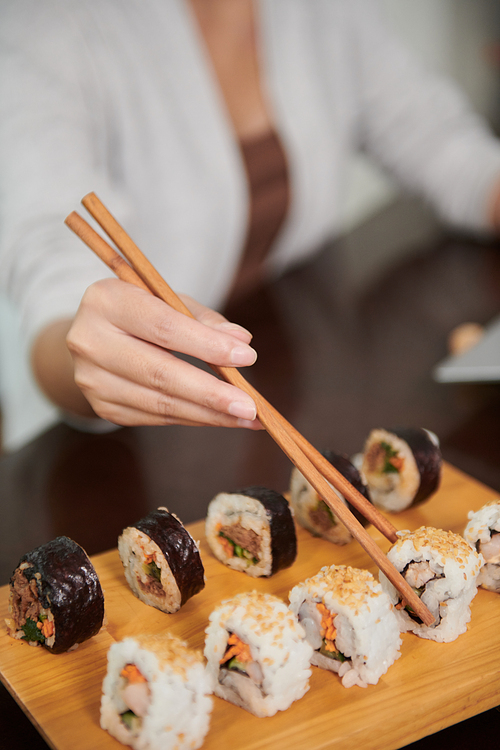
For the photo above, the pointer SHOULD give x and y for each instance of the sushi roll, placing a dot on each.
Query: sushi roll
(311, 512)
(442, 568)
(252, 531)
(483, 533)
(257, 654)
(349, 622)
(55, 598)
(161, 561)
(401, 467)
(156, 694)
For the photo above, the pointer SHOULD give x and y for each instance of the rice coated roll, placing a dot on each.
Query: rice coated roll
(56, 600)
(252, 531)
(402, 467)
(313, 514)
(349, 622)
(442, 568)
(161, 561)
(258, 657)
(156, 694)
(483, 533)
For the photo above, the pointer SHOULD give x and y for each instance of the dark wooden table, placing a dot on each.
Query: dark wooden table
(338, 356)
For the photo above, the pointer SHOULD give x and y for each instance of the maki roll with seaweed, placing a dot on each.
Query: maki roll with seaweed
(349, 622)
(257, 654)
(56, 600)
(442, 568)
(156, 694)
(161, 561)
(483, 533)
(402, 467)
(252, 531)
(311, 512)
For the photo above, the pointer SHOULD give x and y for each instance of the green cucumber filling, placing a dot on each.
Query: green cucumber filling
(130, 719)
(240, 551)
(31, 631)
(388, 467)
(235, 664)
(337, 655)
(152, 569)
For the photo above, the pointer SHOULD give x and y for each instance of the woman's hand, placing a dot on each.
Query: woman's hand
(121, 342)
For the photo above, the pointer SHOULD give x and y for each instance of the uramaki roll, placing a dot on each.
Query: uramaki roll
(402, 467)
(442, 568)
(311, 512)
(349, 622)
(252, 531)
(257, 654)
(483, 533)
(156, 694)
(56, 600)
(161, 561)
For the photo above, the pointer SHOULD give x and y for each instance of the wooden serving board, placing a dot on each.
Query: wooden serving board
(432, 685)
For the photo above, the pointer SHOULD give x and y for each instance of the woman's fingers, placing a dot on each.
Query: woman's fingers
(121, 342)
(158, 373)
(126, 403)
(140, 314)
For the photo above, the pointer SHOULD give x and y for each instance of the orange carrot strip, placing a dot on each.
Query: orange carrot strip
(238, 648)
(132, 674)
(47, 628)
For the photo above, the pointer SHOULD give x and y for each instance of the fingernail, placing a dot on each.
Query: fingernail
(235, 329)
(243, 355)
(242, 410)
(254, 424)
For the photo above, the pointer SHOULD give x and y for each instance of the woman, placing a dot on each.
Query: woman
(162, 107)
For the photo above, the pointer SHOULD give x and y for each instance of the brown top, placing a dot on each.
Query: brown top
(267, 174)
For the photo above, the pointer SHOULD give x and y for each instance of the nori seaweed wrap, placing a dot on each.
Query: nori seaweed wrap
(161, 561)
(56, 599)
(313, 513)
(402, 466)
(252, 530)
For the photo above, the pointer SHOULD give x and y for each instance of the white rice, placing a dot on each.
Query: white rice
(479, 532)
(277, 645)
(455, 567)
(179, 710)
(367, 631)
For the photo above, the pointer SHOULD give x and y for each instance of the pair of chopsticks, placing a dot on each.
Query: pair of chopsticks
(315, 467)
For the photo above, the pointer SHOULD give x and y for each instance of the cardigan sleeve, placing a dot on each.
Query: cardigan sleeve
(419, 126)
(52, 151)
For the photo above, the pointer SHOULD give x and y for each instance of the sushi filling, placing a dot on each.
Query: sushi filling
(317, 621)
(382, 458)
(152, 584)
(420, 575)
(490, 550)
(328, 633)
(238, 658)
(136, 696)
(30, 621)
(240, 542)
(322, 516)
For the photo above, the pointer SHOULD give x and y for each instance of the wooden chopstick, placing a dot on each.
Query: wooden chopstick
(270, 418)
